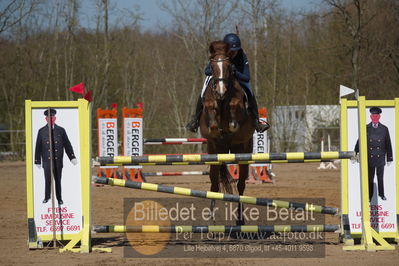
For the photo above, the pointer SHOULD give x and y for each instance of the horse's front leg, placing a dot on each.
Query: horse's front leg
(211, 106)
(233, 124)
(214, 176)
(243, 175)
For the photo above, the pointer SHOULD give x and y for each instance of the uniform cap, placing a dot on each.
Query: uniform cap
(52, 112)
(375, 110)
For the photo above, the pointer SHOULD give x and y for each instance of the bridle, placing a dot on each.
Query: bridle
(216, 79)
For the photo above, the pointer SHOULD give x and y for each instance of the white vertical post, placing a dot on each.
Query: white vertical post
(322, 165)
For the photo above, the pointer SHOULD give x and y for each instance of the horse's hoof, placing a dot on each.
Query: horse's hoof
(233, 126)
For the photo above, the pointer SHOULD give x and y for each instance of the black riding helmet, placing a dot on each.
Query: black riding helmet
(233, 40)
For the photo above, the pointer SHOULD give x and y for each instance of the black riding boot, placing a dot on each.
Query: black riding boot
(253, 108)
(193, 124)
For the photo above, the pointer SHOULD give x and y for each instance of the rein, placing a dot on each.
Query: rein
(216, 80)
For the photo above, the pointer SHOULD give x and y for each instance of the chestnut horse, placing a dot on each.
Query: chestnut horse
(225, 121)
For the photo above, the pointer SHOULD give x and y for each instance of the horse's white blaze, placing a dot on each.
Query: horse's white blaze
(221, 84)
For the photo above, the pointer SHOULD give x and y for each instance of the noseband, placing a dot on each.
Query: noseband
(220, 59)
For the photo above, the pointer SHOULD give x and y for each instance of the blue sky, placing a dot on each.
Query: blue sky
(153, 15)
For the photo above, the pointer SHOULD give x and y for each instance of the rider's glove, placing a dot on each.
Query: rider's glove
(233, 69)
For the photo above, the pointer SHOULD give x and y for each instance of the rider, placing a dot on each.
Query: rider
(240, 69)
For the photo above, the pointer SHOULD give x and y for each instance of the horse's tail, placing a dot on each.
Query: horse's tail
(225, 179)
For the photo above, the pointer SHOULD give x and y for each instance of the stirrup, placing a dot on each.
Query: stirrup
(261, 127)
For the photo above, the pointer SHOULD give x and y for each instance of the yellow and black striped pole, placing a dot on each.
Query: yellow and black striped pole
(215, 228)
(246, 158)
(215, 195)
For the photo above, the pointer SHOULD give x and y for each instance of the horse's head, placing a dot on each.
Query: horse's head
(221, 67)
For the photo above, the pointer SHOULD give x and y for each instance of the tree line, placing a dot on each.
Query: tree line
(296, 57)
